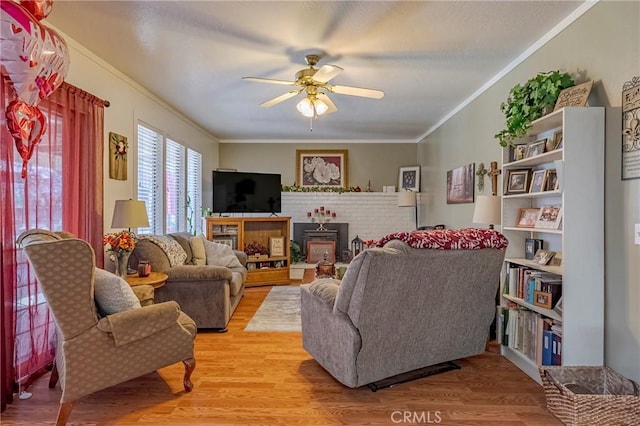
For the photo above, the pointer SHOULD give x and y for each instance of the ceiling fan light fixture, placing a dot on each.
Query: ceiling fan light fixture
(310, 107)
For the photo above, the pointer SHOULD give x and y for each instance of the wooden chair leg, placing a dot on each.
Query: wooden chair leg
(64, 411)
(53, 379)
(189, 366)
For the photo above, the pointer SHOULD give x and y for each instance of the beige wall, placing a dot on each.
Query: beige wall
(603, 45)
(130, 103)
(378, 162)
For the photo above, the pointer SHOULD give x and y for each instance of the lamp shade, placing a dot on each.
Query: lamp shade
(406, 199)
(129, 214)
(487, 210)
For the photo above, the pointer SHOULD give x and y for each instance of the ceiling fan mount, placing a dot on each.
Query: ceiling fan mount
(313, 81)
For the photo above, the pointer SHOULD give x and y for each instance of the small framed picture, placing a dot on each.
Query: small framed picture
(518, 181)
(549, 217)
(527, 218)
(557, 140)
(552, 180)
(536, 148)
(409, 178)
(542, 257)
(538, 181)
(276, 246)
(519, 152)
(542, 299)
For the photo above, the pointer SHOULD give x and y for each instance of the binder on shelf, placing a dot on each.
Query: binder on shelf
(556, 349)
(547, 339)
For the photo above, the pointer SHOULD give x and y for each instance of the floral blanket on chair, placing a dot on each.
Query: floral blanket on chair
(450, 239)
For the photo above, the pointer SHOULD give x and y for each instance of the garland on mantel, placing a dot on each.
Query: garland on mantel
(296, 188)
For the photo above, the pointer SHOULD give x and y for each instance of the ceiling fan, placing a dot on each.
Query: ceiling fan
(314, 82)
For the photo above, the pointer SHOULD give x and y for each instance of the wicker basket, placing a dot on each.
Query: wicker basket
(590, 396)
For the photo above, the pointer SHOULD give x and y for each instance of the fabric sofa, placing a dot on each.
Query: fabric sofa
(207, 292)
(419, 299)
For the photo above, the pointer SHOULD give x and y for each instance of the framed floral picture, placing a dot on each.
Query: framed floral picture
(322, 167)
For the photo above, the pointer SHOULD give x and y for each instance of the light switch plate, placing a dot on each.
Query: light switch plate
(637, 234)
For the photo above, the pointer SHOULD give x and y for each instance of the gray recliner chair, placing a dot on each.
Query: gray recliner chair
(399, 308)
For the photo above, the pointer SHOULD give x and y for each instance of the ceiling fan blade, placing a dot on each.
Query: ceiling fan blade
(270, 80)
(326, 73)
(278, 99)
(355, 91)
(324, 98)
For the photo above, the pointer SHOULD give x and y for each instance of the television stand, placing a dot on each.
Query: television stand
(273, 233)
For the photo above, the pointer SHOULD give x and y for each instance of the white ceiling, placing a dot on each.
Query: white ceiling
(427, 56)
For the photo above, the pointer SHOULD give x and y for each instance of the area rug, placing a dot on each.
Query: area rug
(280, 311)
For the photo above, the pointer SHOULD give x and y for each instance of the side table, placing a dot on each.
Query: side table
(155, 279)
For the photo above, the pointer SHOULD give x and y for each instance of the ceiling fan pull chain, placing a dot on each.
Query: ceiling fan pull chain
(311, 124)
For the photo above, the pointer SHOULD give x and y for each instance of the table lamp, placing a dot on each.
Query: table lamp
(129, 214)
(487, 210)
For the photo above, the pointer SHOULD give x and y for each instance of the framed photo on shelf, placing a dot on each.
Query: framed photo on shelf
(518, 181)
(409, 178)
(557, 140)
(542, 299)
(276, 246)
(552, 180)
(322, 167)
(549, 217)
(536, 148)
(317, 249)
(542, 257)
(519, 152)
(538, 181)
(460, 187)
(527, 218)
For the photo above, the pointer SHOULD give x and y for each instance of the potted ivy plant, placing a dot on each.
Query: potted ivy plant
(530, 101)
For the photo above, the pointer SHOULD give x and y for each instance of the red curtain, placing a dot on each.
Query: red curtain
(63, 191)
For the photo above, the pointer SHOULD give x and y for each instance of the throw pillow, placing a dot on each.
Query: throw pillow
(198, 251)
(113, 294)
(220, 255)
(171, 248)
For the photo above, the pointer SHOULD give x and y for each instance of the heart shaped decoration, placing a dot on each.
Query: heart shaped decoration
(27, 125)
(34, 56)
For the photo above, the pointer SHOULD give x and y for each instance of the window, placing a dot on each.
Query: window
(194, 191)
(170, 183)
(149, 177)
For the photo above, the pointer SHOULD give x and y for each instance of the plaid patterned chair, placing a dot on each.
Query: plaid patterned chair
(95, 353)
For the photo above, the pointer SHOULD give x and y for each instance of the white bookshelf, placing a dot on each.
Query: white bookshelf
(580, 237)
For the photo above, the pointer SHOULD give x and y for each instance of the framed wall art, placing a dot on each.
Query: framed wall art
(460, 187)
(118, 148)
(322, 167)
(409, 178)
(631, 129)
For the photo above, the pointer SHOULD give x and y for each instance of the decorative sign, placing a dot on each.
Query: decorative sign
(631, 129)
(575, 96)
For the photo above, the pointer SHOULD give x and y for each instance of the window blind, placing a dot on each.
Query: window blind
(175, 187)
(194, 191)
(150, 178)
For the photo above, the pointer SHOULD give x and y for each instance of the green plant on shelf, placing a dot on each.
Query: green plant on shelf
(530, 101)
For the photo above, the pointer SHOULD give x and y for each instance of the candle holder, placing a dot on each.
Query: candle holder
(321, 216)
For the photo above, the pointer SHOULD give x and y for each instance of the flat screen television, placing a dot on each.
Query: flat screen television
(243, 192)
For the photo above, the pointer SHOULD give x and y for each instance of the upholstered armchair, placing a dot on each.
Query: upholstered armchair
(94, 352)
(418, 300)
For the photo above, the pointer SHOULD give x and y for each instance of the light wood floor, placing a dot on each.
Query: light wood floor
(268, 379)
